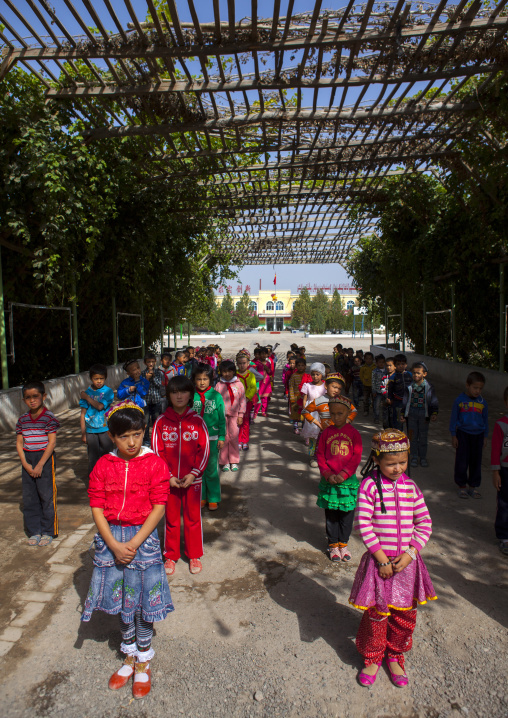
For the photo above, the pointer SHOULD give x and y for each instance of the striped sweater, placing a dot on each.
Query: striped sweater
(407, 520)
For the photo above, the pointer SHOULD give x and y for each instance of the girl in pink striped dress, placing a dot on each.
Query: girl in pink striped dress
(394, 523)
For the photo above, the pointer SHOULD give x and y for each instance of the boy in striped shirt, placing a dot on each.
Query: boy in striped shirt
(35, 443)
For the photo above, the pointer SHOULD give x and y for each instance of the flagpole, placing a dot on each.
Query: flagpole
(275, 301)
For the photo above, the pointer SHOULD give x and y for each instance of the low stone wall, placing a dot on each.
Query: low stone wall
(62, 394)
(454, 373)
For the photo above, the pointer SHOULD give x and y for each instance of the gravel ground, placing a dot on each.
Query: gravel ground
(266, 629)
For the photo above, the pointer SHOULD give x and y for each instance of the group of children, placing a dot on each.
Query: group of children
(204, 425)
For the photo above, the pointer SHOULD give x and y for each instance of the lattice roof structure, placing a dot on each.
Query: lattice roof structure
(288, 121)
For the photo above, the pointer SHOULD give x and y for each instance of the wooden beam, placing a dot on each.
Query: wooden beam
(256, 118)
(165, 86)
(330, 40)
(7, 64)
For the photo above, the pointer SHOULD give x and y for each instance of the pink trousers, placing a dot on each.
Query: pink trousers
(230, 452)
(244, 433)
(265, 400)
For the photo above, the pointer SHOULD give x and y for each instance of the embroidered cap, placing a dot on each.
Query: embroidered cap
(335, 377)
(388, 441)
(340, 400)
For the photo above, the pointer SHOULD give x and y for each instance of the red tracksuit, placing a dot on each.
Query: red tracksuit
(182, 441)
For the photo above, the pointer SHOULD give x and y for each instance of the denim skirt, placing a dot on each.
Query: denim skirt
(141, 585)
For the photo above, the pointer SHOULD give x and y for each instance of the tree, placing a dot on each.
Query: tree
(445, 232)
(318, 322)
(302, 310)
(335, 319)
(243, 312)
(320, 309)
(217, 320)
(92, 221)
(254, 321)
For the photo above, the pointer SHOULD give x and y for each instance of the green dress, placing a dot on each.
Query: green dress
(338, 496)
(210, 406)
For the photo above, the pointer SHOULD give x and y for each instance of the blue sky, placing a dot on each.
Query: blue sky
(289, 276)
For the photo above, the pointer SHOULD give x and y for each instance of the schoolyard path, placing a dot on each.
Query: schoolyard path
(265, 629)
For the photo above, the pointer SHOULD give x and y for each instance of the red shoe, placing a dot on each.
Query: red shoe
(213, 506)
(169, 567)
(195, 565)
(203, 504)
(142, 684)
(121, 677)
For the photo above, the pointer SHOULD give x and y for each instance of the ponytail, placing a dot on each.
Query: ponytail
(380, 490)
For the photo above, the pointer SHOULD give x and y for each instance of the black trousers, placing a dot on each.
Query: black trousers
(97, 445)
(339, 525)
(152, 413)
(468, 456)
(39, 497)
(501, 525)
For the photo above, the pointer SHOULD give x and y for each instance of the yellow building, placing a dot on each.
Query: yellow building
(274, 307)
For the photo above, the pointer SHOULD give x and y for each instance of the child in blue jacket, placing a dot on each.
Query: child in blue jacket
(469, 427)
(135, 387)
(94, 403)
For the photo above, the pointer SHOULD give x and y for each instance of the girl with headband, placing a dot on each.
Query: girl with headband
(394, 523)
(128, 491)
(338, 454)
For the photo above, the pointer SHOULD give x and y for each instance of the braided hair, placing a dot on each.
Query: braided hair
(367, 470)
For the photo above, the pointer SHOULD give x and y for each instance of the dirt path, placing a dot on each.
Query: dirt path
(266, 629)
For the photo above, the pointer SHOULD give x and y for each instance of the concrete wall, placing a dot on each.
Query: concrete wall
(62, 394)
(453, 373)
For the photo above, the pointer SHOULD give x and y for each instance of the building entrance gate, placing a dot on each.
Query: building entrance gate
(274, 324)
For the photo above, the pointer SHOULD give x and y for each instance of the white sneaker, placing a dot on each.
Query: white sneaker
(225, 467)
(234, 467)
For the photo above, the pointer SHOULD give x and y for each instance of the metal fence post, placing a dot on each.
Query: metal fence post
(162, 331)
(386, 326)
(502, 310)
(454, 325)
(3, 336)
(424, 327)
(402, 330)
(115, 329)
(75, 327)
(143, 329)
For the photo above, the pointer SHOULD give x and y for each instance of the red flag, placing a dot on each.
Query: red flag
(275, 279)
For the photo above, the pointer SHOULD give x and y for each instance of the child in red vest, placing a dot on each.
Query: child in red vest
(180, 437)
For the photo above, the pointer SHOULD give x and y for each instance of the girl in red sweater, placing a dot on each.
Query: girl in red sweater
(180, 437)
(128, 491)
(338, 454)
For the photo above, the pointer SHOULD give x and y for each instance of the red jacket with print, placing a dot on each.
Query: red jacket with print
(128, 490)
(182, 441)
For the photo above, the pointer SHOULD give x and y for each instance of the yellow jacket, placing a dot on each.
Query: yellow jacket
(366, 374)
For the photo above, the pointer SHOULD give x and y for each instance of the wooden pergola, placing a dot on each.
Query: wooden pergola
(289, 121)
